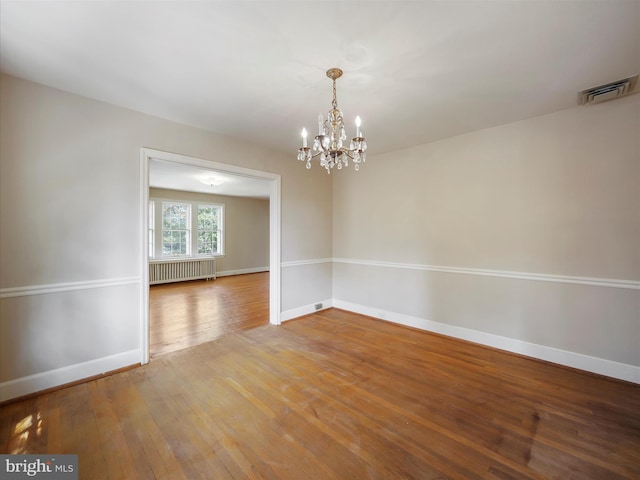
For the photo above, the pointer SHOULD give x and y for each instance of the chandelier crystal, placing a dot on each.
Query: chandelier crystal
(329, 143)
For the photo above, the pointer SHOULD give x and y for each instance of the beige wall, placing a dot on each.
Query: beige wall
(70, 223)
(246, 229)
(475, 233)
(525, 234)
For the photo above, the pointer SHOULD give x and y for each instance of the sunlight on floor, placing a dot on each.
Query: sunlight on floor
(25, 431)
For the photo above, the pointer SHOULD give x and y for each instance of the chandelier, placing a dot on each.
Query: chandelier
(328, 144)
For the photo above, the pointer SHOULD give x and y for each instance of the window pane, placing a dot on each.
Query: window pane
(175, 229)
(207, 229)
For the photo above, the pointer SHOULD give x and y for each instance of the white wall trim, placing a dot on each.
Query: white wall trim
(143, 222)
(313, 261)
(580, 361)
(275, 247)
(66, 286)
(540, 277)
(61, 376)
(306, 310)
(227, 273)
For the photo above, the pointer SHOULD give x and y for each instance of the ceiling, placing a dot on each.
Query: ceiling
(178, 176)
(414, 71)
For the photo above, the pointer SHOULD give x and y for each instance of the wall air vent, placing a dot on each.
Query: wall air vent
(609, 91)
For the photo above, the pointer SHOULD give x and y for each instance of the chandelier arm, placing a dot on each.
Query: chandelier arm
(347, 152)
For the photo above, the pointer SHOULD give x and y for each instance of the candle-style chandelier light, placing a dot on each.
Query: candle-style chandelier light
(328, 144)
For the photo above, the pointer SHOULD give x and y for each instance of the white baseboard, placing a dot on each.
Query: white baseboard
(587, 363)
(72, 373)
(305, 310)
(227, 273)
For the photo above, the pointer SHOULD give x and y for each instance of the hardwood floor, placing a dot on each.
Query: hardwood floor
(336, 395)
(185, 314)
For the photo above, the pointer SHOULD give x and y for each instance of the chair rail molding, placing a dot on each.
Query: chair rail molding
(67, 286)
(539, 277)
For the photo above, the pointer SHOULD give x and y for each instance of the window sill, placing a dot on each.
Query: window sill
(183, 259)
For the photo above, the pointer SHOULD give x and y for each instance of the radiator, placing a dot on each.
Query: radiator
(181, 270)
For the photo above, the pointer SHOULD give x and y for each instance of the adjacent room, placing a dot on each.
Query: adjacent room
(323, 240)
(205, 225)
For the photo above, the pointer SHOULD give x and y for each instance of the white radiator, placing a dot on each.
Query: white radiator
(181, 270)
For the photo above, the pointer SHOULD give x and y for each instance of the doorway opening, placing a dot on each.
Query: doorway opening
(269, 180)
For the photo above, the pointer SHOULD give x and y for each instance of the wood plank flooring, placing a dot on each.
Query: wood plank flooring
(185, 314)
(336, 395)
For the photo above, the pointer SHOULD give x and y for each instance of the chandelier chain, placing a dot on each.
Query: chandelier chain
(335, 101)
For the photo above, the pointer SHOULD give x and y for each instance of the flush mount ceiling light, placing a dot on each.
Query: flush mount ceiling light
(331, 133)
(212, 181)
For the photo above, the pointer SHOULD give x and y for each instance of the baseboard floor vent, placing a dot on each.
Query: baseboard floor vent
(612, 90)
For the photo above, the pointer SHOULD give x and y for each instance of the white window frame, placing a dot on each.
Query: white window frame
(155, 224)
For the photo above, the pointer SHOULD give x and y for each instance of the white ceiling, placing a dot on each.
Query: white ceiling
(178, 176)
(414, 71)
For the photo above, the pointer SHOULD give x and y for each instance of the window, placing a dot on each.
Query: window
(152, 230)
(185, 229)
(176, 229)
(209, 233)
